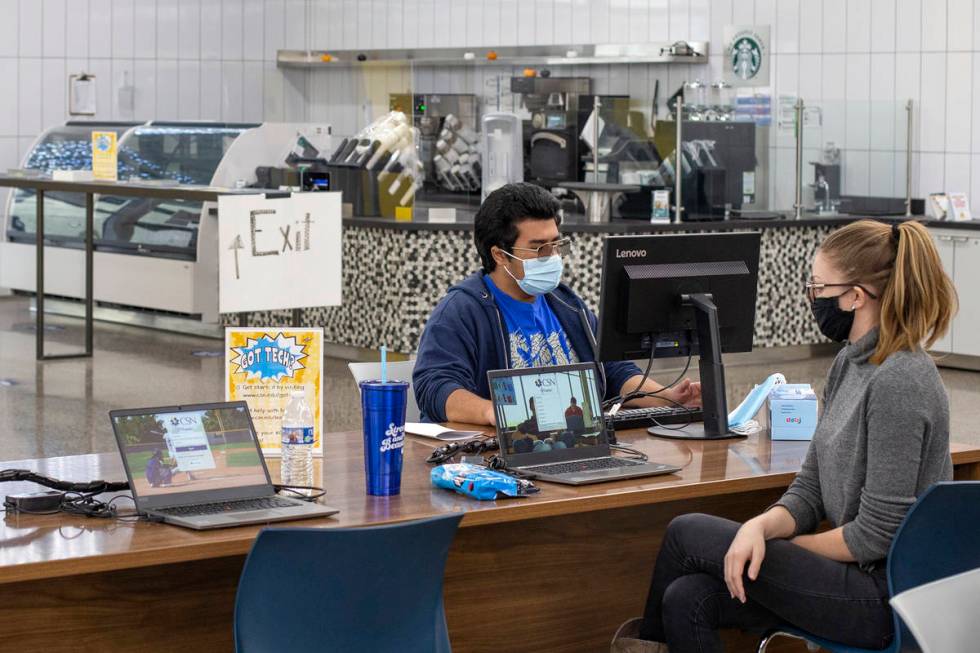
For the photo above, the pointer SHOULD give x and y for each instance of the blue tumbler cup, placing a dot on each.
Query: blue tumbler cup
(383, 410)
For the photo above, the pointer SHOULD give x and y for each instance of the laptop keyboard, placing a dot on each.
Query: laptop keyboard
(577, 466)
(243, 505)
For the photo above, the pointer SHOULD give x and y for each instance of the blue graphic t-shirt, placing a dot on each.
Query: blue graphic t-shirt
(536, 337)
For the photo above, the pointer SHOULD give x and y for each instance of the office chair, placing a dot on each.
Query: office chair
(401, 370)
(373, 589)
(942, 615)
(938, 538)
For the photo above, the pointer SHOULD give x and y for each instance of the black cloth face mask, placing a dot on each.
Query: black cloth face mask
(834, 322)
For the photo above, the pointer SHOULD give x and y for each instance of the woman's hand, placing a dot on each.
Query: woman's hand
(748, 547)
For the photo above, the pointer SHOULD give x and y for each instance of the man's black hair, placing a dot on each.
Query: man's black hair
(497, 219)
(574, 401)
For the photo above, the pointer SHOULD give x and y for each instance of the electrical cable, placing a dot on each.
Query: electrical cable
(616, 402)
(635, 454)
(297, 491)
(13, 475)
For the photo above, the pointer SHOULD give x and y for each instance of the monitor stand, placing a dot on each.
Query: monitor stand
(714, 405)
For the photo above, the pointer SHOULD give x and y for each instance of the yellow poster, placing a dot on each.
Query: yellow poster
(104, 155)
(264, 366)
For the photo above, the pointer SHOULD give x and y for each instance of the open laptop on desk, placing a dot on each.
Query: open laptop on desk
(550, 427)
(200, 466)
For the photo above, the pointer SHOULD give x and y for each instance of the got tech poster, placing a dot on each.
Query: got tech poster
(263, 366)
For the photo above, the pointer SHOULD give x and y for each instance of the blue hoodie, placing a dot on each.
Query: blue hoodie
(465, 338)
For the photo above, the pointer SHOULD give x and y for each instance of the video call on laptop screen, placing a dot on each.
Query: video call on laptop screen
(547, 411)
(190, 451)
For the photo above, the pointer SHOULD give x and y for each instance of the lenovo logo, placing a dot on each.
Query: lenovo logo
(631, 253)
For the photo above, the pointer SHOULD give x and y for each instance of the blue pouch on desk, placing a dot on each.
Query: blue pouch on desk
(479, 482)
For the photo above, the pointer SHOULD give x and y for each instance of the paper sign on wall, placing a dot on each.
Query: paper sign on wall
(264, 366)
(747, 55)
(104, 165)
(278, 253)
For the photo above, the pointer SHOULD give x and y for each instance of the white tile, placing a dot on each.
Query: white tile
(210, 90)
(765, 12)
(274, 35)
(122, 29)
(252, 30)
(8, 101)
(933, 102)
(232, 17)
(784, 178)
(544, 21)
(54, 28)
(599, 13)
(189, 38)
(187, 91)
(272, 94)
(834, 25)
(959, 109)
(55, 84)
(788, 26)
(883, 21)
(396, 24)
(98, 20)
(960, 24)
(295, 107)
(931, 173)
(30, 28)
(907, 74)
(426, 16)
(882, 174)
(146, 89)
(908, 25)
(24, 145)
(9, 28)
(957, 173)
(619, 16)
(29, 96)
(209, 26)
(9, 156)
(525, 25)
(858, 26)
(145, 29)
(933, 26)
(721, 16)
(491, 22)
(659, 22)
(123, 103)
(975, 184)
(858, 102)
(811, 26)
(252, 91)
(856, 172)
(364, 32)
(882, 97)
(171, 102)
(975, 135)
(811, 77)
(232, 85)
(700, 20)
(832, 102)
(167, 28)
(743, 13)
(680, 20)
(638, 27)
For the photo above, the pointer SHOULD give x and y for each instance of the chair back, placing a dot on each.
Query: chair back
(401, 370)
(942, 615)
(373, 589)
(939, 537)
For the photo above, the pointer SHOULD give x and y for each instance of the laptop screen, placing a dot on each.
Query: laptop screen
(209, 448)
(548, 410)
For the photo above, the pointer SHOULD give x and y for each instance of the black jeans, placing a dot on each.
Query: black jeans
(689, 601)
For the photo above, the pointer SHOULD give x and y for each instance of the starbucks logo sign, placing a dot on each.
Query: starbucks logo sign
(746, 56)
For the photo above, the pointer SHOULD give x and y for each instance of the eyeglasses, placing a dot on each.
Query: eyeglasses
(562, 247)
(812, 288)
(449, 451)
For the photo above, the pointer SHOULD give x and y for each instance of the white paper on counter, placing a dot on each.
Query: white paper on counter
(437, 432)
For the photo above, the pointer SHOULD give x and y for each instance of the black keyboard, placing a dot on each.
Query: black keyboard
(243, 505)
(636, 418)
(590, 465)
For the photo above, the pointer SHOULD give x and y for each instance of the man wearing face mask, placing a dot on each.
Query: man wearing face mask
(515, 313)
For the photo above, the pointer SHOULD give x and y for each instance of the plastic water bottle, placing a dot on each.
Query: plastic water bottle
(297, 442)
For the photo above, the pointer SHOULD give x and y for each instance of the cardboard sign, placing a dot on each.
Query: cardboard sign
(104, 160)
(264, 366)
(278, 253)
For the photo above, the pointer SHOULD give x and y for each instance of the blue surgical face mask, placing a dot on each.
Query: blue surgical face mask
(541, 275)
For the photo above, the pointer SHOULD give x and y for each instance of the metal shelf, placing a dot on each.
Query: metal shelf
(550, 55)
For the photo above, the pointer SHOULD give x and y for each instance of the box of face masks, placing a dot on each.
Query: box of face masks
(792, 412)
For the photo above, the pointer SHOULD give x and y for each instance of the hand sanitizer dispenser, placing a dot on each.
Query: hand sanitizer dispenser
(503, 151)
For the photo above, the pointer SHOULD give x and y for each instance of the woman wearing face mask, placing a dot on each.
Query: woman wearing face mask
(883, 438)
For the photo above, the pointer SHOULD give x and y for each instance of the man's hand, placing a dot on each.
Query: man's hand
(686, 393)
(748, 547)
(490, 416)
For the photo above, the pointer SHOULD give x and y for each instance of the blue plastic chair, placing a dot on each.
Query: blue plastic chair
(939, 537)
(375, 589)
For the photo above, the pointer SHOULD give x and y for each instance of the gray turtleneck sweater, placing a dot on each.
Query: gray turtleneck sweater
(883, 438)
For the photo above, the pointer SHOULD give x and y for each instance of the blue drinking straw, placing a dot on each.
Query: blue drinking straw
(384, 364)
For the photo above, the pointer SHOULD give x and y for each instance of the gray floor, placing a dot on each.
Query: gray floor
(60, 407)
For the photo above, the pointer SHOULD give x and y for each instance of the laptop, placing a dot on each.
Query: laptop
(550, 427)
(200, 466)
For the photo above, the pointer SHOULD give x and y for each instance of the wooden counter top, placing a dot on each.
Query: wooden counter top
(35, 547)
